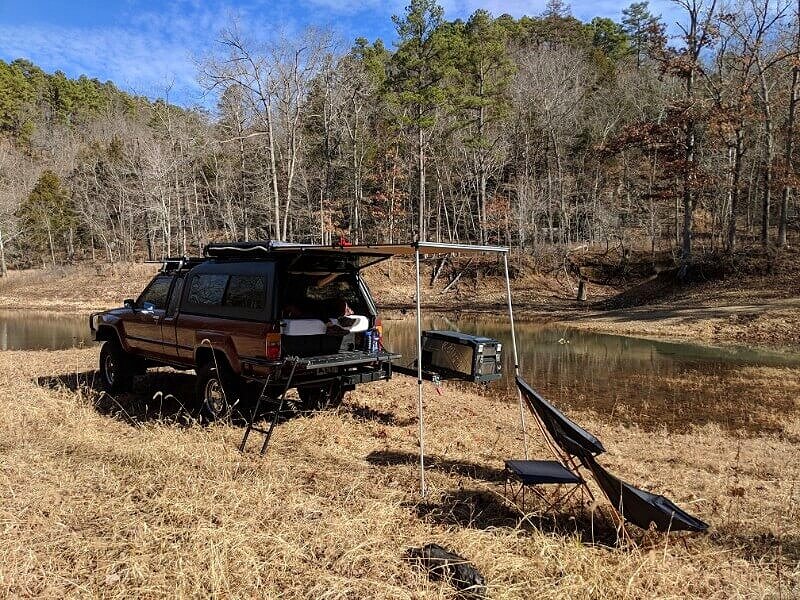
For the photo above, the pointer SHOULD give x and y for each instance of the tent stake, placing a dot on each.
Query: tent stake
(516, 357)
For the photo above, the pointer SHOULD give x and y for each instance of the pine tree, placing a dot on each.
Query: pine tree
(610, 38)
(643, 29)
(47, 216)
(419, 70)
(486, 70)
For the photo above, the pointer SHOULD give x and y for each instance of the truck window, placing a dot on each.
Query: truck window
(175, 297)
(207, 289)
(156, 293)
(246, 291)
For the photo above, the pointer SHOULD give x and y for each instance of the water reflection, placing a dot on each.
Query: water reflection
(30, 330)
(650, 383)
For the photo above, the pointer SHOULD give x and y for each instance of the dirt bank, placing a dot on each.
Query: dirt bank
(129, 497)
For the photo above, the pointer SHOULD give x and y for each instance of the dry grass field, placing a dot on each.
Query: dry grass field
(131, 498)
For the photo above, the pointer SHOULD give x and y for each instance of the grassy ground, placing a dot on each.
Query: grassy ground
(130, 497)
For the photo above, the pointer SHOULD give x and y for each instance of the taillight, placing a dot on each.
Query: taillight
(379, 330)
(273, 346)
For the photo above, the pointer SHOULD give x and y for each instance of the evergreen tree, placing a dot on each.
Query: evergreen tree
(610, 38)
(47, 217)
(642, 27)
(486, 71)
(418, 73)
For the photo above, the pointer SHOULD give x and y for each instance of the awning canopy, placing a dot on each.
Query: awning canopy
(373, 250)
(339, 257)
(391, 249)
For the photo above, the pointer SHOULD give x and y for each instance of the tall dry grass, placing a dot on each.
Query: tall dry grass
(94, 504)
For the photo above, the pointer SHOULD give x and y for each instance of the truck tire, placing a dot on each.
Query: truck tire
(217, 393)
(117, 367)
(321, 397)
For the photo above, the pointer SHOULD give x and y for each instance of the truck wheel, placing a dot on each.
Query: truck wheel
(116, 367)
(216, 393)
(321, 397)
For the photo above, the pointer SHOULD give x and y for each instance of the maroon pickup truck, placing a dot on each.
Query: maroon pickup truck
(276, 315)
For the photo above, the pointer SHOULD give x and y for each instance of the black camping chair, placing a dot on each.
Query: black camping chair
(566, 439)
(528, 474)
(572, 439)
(575, 447)
(639, 507)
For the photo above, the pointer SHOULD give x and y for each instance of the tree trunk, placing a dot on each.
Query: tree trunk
(688, 170)
(50, 240)
(790, 133)
(735, 183)
(274, 175)
(421, 173)
(766, 199)
(3, 269)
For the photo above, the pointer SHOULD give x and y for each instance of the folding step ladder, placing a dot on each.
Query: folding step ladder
(267, 433)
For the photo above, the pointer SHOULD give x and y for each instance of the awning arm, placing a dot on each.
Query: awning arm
(516, 357)
(420, 413)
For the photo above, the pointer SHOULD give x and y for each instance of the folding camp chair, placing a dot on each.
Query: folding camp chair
(639, 507)
(575, 447)
(528, 474)
(566, 439)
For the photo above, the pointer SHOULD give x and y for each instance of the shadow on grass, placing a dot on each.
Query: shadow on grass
(760, 547)
(484, 509)
(436, 463)
(156, 397)
(363, 413)
(493, 506)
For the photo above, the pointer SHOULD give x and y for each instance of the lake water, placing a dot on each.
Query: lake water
(647, 382)
(30, 330)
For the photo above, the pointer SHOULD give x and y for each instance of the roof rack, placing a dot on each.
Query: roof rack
(177, 263)
(238, 249)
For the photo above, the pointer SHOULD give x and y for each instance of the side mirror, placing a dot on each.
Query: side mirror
(129, 303)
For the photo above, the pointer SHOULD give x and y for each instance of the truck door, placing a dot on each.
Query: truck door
(143, 330)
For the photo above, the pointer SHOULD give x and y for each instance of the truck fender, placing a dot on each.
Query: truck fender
(206, 341)
(108, 329)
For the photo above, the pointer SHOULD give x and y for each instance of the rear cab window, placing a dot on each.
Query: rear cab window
(239, 291)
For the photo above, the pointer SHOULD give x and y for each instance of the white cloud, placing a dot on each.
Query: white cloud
(133, 61)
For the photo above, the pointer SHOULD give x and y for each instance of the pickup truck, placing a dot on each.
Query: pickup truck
(273, 315)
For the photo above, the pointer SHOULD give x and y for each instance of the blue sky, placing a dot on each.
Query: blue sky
(147, 46)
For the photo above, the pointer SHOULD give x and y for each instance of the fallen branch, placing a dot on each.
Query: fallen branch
(456, 278)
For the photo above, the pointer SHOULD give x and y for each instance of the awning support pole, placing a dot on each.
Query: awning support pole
(420, 415)
(516, 356)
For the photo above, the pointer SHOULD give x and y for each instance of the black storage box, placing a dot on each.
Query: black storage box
(455, 355)
(317, 345)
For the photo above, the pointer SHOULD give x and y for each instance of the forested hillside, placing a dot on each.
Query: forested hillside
(538, 131)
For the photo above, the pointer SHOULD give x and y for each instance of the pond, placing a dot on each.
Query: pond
(646, 382)
(651, 383)
(34, 330)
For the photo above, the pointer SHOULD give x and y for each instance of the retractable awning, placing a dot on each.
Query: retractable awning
(387, 250)
(375, 253)
(393, 249)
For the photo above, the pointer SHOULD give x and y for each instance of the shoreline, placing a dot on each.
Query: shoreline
(708, 315)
